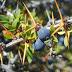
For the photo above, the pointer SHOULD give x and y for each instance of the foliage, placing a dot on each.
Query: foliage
(38, 40)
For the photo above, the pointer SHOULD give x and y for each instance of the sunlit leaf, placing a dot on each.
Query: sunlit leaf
(11, 56)
(52, 28)
(53, 18)
(29, 53)
(14, 24)
(57, 29)
(29, 59)
(55, 39)
(61, 32)
(20, 55)
(66, 41)
(48, 15)
(31, 48)
(1, 58)
(17, 13)
(11, 18)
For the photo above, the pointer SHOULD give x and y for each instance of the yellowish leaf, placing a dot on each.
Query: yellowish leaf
(24, 54)
(66, 41)
(57, 29)
(52, 18)
(61, 23)
(55, 39)
(20, 55)
(61, 32)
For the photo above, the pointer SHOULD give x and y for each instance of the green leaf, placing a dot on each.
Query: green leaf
(29, 53)
(46, 42)
(58, 48)
(55, 39)
(68, 55)
(69, 63)
(52, 28)
(29, 59)
(17, 13)
(7, 36)
(4, 19)
(6, 25)
(14, 24)
(11, 18)
(10, 55)
(33, 13)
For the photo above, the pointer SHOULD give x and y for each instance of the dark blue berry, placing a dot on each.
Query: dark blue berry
(61, 40)
(43, 34)
(38, 45)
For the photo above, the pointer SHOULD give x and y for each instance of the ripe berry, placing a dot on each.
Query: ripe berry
(43, 34)
(61, 40)
(38, 45)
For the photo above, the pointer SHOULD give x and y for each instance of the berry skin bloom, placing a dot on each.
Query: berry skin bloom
(43, 34)
(61, 40)
(38, 45)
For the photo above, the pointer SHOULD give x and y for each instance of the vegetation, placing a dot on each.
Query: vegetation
(45, 45)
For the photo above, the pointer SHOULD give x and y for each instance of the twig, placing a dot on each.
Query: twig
(14, 42)
(57, 22)
(69, 20)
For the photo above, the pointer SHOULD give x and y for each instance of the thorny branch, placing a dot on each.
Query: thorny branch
(69, 21)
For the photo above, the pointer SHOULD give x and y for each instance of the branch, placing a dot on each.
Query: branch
(57, 22)
(69, 20)
(14, 42)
